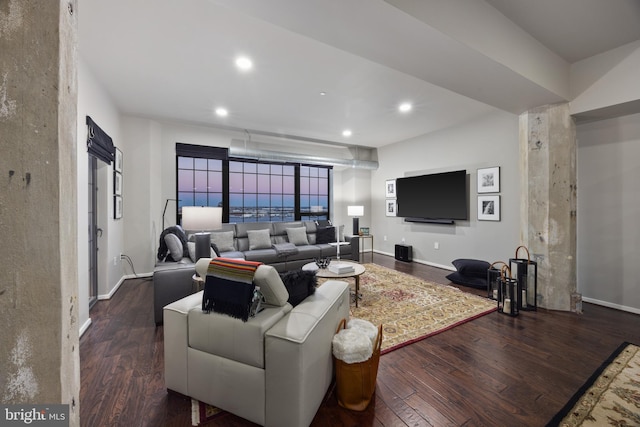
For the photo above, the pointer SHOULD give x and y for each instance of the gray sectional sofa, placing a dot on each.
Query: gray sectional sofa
(173, 280)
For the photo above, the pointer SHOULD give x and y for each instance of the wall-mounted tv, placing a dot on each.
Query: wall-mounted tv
(439, 197)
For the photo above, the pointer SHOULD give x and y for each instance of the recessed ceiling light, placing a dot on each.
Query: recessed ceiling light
(244, 63)
(346, 133)
(323, 93)
(405, 107)
(222, 112)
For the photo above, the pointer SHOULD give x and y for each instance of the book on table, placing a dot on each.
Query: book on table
(341, 268)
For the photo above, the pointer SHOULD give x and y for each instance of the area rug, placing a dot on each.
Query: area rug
(202, 412)
(411, 309)
(611, 397)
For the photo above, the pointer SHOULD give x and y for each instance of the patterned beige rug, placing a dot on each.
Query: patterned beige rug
(611, 397)
(411, 309)
(202, 412)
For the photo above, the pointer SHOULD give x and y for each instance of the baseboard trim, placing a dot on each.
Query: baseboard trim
(121, 281)
(420, 261)
(138, 276)
(84, 327)
(633, 310)
(113, 290)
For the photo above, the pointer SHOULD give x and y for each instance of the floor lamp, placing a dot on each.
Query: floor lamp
(355, 212)
(165, 209)
(202, 219)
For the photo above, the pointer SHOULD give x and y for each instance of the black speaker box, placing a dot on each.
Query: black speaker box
(404, 253)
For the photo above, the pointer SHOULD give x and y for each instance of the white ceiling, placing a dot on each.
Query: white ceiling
(455, 61)
(575, 29)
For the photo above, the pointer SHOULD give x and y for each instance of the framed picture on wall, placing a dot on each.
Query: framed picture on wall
(117, 183)
(489, 180)
(488, 208)
(118, 161)
(390, 188)
(390, 207)
(117, 207)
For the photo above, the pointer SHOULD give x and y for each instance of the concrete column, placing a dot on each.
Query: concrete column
(39, 361)
(548, 202)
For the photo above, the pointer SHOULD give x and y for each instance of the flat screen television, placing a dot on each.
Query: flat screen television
(439, 197)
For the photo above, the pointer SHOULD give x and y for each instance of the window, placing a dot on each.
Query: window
(199, 182)
(261, 192)
(314, 192)
(250, 191)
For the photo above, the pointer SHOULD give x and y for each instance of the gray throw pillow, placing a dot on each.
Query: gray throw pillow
(259, 239)
(298, 236)
(192, 251)
(223, 240)
(176, 250)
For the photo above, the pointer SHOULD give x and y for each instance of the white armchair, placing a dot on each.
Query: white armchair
(274, 369)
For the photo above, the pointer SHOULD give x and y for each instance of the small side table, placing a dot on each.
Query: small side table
(197, 283)
(362, 239)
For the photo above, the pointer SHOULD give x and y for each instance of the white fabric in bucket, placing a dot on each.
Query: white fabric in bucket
(352, 346)
(365, 327)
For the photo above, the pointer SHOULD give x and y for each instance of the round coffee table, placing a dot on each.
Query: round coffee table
(325, 273)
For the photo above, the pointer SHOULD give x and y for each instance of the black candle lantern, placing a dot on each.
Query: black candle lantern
(507, 293)
(526, 274)
(493, 280)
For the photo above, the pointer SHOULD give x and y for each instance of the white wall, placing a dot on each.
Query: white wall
(141, 188)
(608, 212)
(489, 141)
(95, 102)
(351, 187)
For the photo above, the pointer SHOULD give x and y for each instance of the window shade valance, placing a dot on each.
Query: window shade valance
(202, 151)
(99, 143)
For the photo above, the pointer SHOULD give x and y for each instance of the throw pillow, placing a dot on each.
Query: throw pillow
(298, 236)
(223, 240)
(300, 284)
(471, 267)
(323, 223)
(176, 250)
(163, 250)
(259, 239)
(215, 250)
(325, 235)
(474, 282)
(191, 246)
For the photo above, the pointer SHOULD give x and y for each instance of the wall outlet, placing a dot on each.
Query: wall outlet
(385, 238)
(115, 260)
(403, 240)
(436, 245)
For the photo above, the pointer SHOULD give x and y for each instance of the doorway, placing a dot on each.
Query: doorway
(94, 231)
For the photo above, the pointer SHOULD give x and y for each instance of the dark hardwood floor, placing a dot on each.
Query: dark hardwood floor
(492, 371)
